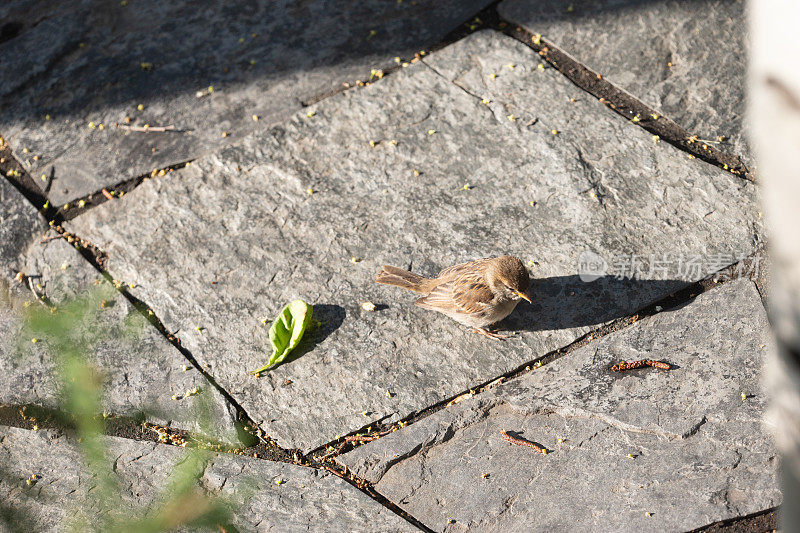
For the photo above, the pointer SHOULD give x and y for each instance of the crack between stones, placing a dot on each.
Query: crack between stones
(615, 98)
(265, 448)
(619, 101)
(765, 520)
(623, 103)
(80, 205)
(31, 190)
(28, 416)
(677, 299)
(481, 20)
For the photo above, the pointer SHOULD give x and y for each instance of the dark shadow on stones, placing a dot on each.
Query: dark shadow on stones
(191, 45)
(553, 10)
(9, 30)
(562, 302)
(194, 45)
(267, 58)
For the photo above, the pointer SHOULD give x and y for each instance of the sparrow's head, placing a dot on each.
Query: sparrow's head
(508, 275)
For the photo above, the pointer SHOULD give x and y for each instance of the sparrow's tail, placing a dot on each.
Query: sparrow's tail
(398, 277)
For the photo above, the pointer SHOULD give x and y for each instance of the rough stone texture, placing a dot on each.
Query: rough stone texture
(20, 223)
(231, 239)
(631, 43)
(81, 61)
(141, 370)
(699, 452)
(305, 500)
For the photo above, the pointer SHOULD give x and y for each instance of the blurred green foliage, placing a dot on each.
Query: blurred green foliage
(70, 332)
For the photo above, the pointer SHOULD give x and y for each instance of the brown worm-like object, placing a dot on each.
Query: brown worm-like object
(521, 442)
(622, 365)
(360, 438)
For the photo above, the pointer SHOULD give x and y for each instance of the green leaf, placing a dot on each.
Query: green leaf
(286, 332)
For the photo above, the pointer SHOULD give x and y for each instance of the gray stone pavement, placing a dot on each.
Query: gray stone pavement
(84, 63)
(244, 218)
(684, 58)
(21, 225)
(144, 376)
(268, 496)
(475, 150)
(647, 450)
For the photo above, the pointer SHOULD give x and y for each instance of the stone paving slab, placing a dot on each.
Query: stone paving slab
(632, 43)
(698, 451)
(142, 371)
(20, 224)
(83, 61)
(269, 496)
(229, 240)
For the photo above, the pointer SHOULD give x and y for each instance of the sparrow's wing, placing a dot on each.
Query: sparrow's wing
(465, 294)
(479, 265)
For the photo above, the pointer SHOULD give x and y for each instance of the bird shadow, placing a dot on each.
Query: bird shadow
(561, 302)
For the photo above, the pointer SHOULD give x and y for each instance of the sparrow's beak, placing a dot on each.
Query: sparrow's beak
(523, 296)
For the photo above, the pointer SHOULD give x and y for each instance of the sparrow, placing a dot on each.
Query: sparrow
(476, 294)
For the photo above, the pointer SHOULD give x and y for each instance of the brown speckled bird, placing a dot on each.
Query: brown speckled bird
(476, 294)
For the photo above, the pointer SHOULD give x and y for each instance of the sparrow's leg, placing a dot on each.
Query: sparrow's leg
(490, 334)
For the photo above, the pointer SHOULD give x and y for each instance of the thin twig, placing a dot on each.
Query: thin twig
(51, 238)
(36, 295)
(359, 438)
(335, 451)
(154, 129)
